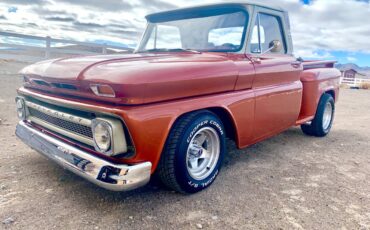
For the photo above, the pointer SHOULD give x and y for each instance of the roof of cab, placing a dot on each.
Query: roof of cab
(220, 5)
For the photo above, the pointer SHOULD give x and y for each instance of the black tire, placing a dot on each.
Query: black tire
(316, 128)
(173, 166)
(306, 129)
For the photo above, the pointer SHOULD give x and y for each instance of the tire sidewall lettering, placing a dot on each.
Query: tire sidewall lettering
(195, 129)
(218, 126)
(204, 184)
(212, 123)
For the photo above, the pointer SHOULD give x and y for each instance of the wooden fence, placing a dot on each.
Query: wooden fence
(44, 45)
(355, 82)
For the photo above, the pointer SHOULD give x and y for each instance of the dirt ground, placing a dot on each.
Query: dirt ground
(290, 181)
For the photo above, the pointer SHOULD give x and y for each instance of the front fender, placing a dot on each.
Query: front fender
(150, 125)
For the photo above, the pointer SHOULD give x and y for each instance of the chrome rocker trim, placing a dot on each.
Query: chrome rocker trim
(98, 171)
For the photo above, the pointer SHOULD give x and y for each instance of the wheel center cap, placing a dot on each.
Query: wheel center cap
(196, 151)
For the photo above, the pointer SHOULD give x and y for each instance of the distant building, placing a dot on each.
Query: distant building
(352, 74)
(355, 79)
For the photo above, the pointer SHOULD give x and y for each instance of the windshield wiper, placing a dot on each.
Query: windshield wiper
(171, 50)
(186, 50)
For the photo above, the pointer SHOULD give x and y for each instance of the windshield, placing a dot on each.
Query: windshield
(214, 33)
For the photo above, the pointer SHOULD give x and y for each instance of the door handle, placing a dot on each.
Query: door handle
(296, 64)
(256, 60)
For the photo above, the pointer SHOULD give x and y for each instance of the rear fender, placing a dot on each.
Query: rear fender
(316, 82)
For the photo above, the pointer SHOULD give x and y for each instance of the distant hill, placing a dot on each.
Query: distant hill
(365, 70)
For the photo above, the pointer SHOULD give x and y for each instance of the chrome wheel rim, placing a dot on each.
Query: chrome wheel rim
(328, 113)
(203, 153)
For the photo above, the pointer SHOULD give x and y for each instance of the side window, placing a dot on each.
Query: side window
(266, 29)
(164, 36)
(258, 35)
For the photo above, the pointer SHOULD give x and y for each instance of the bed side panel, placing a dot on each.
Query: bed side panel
(315, 83)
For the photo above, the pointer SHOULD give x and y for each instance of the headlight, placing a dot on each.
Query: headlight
(102, 132)
(21, 108)
(109, 136)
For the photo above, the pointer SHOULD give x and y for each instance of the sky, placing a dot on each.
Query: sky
(321, 29)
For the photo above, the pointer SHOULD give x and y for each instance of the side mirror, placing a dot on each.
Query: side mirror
(274, 46)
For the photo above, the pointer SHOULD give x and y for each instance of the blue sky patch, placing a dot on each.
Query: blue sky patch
(361, 59)
(306, 2)
(12, 9)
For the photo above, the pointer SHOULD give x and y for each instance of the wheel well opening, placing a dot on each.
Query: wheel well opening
(332, 93)
(226, 120)
(224, 116)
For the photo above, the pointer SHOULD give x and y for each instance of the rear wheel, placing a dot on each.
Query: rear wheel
(323, 120)
(193, 153)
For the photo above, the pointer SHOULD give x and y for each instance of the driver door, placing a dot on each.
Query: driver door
(277, 85)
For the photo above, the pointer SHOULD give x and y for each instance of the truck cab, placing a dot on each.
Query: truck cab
(198, 76)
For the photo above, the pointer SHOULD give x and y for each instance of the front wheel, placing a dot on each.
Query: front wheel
(193, 153)
(321, 124)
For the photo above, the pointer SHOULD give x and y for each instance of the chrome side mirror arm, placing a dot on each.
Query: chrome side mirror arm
(274, 46)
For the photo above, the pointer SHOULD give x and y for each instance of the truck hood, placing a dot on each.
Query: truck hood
(135, 78)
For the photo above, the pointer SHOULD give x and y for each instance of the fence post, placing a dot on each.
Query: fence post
(47, 51)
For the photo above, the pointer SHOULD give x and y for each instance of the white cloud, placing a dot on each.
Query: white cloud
(351, 59)
(332, 25)
(326, 25)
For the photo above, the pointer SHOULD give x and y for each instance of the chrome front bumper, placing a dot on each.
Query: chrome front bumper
(100, 172)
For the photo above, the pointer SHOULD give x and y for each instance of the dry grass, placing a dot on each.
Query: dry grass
(365, 86)
(344, 86)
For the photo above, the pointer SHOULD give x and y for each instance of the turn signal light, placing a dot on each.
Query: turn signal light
(103, 90)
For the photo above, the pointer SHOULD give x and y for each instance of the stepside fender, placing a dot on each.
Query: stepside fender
(316, 82)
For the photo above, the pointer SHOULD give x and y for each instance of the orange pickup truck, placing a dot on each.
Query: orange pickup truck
(198, 76)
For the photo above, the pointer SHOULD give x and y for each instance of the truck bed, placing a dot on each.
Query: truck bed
(317, 77)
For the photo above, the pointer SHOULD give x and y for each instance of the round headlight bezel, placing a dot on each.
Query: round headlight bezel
(21, 108)
(101, 124)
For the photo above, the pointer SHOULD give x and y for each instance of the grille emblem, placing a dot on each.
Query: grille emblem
(58, 114)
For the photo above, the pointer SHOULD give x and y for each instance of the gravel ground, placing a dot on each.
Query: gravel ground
(290, 181)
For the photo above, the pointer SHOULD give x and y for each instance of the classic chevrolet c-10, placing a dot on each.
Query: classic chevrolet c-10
(198, 76)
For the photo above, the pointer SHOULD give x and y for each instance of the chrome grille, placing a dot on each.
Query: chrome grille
(67, 125)
(76, 127)
(75, 124)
